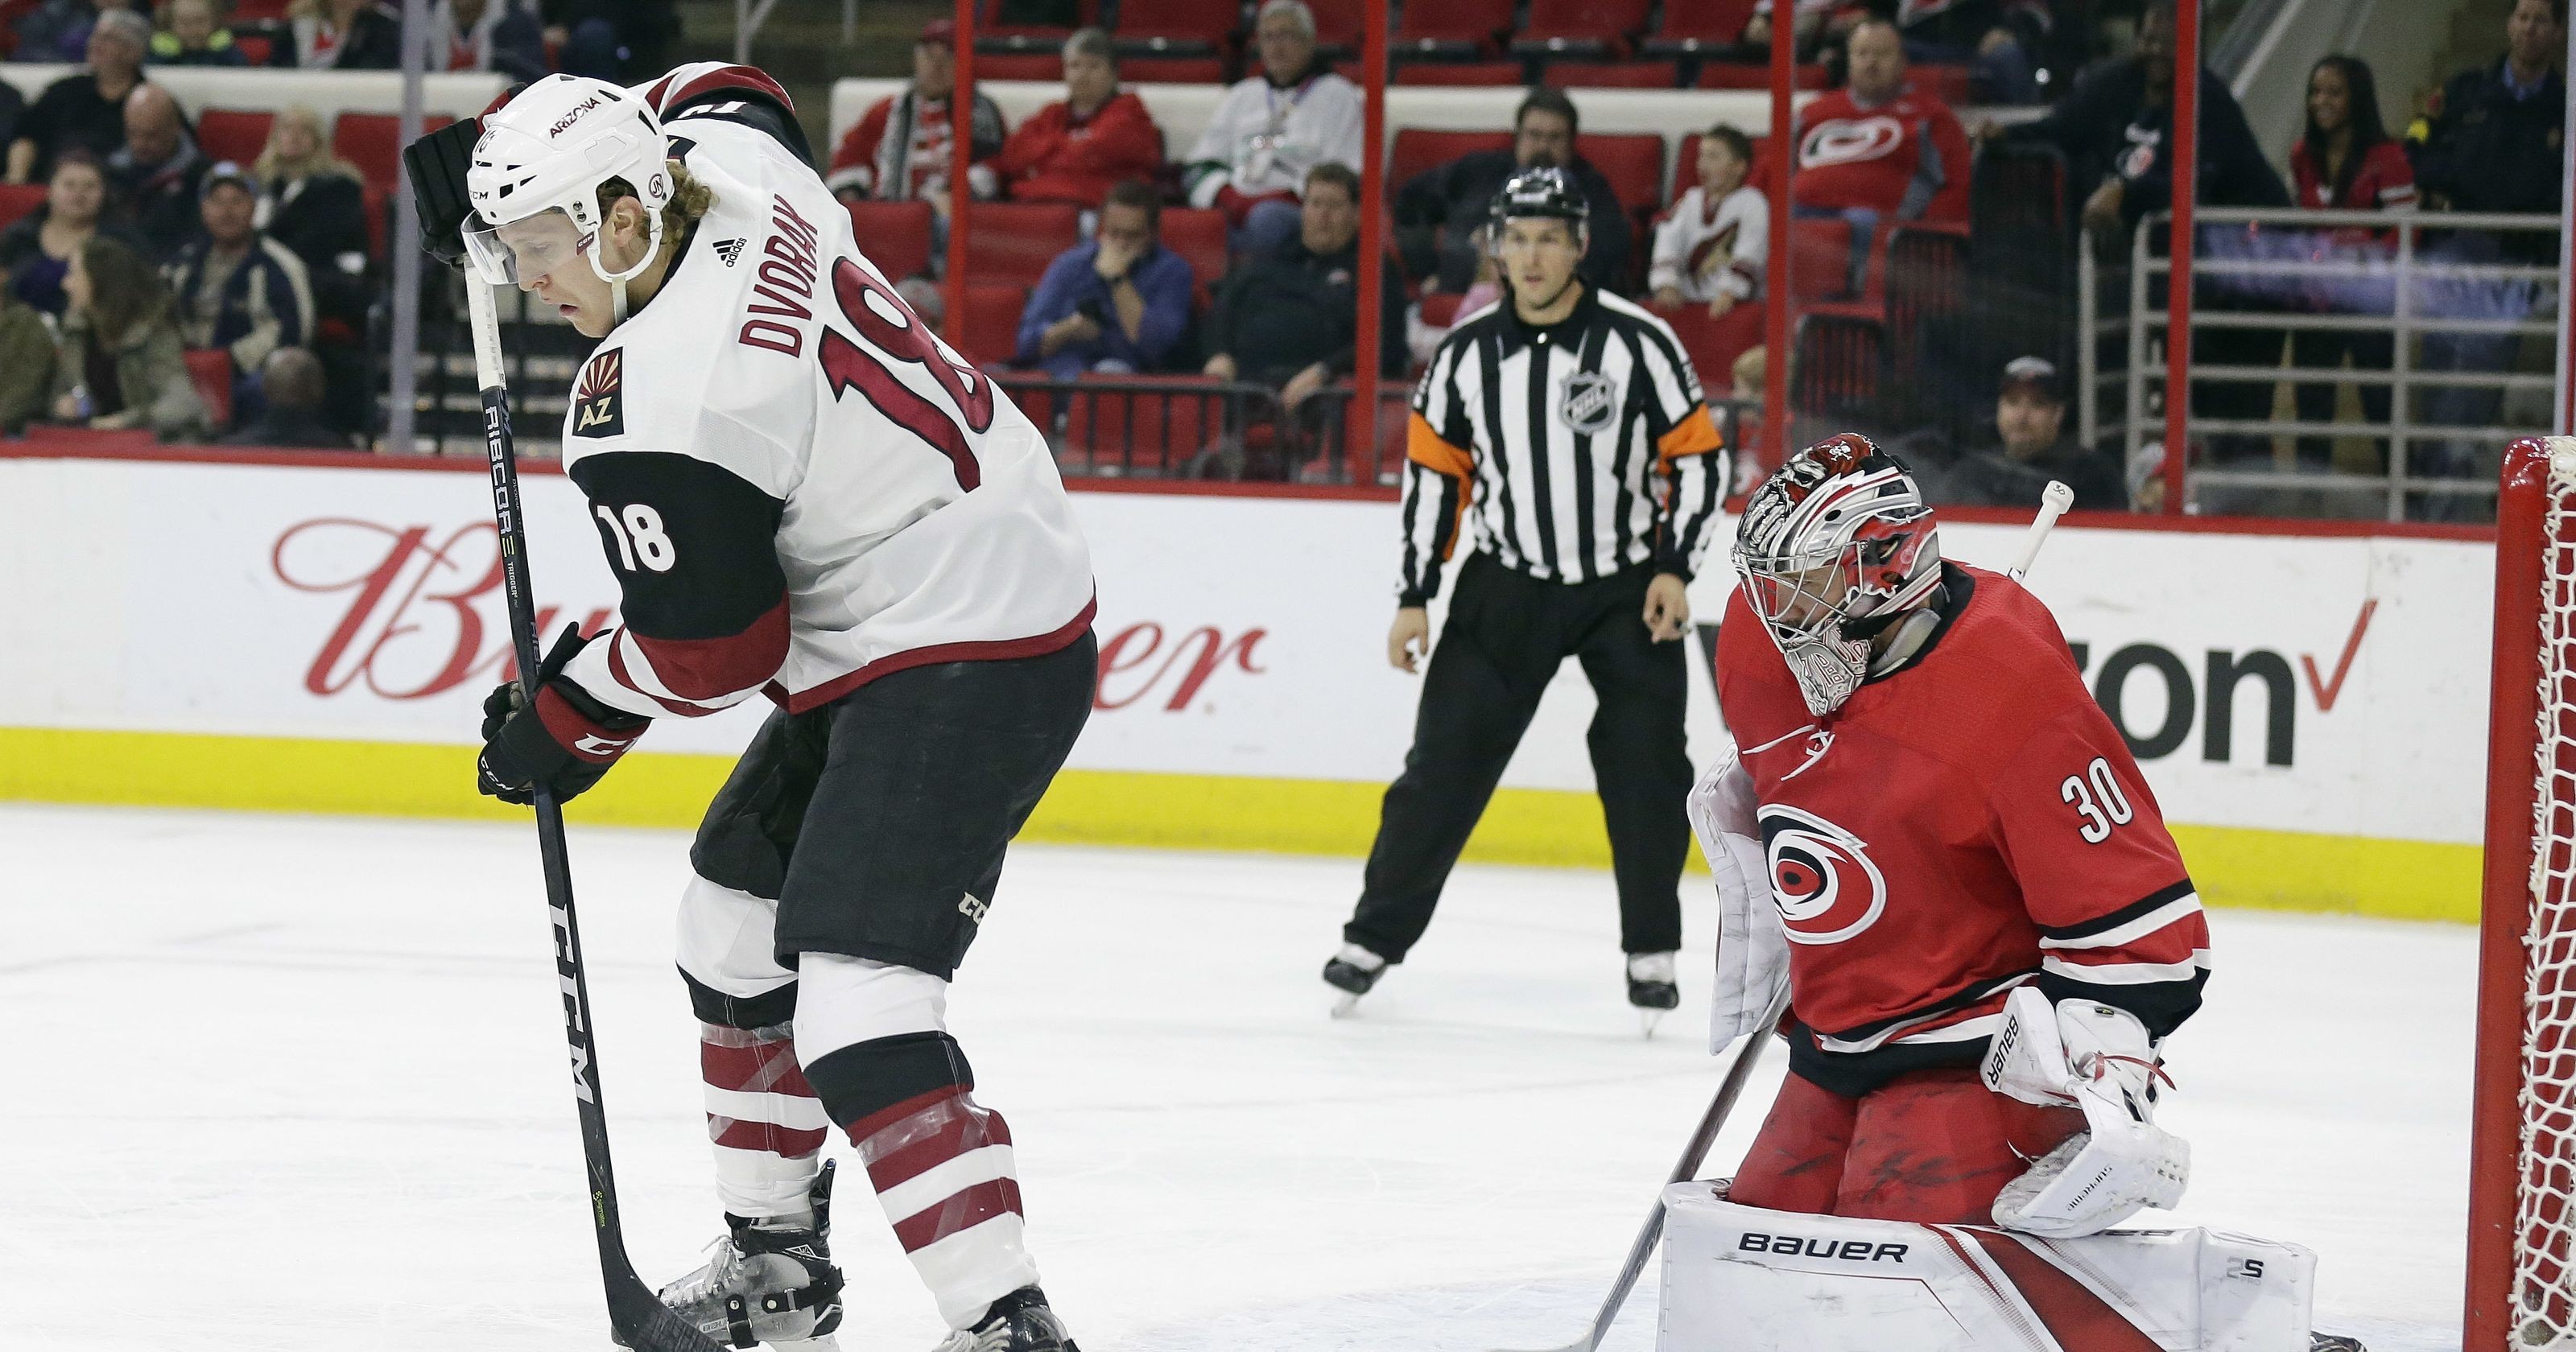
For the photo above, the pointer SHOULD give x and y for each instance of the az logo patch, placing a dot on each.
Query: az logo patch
(599, 397)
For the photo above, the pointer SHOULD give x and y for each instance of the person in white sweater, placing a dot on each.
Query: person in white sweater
(1269, 130)
(1709, 250)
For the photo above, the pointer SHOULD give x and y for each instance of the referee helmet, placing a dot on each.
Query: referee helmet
(1547, 193)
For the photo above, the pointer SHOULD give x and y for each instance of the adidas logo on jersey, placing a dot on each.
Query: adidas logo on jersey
(730, 250)
(599, 397)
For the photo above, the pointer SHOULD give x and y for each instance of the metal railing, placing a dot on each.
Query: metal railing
(2289, 274)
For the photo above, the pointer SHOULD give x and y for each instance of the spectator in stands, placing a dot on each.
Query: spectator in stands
(2034, 447)
(899, 148)
(13, 105)
(1815, 21)
(26, 364)
(2494, 143)
(121, 363)
(156, 174)
(84, 110)
(1269, 130)
(622, 41)
(1879, 151)
(2346, 162)
(37, 250)
(1709, 251)
(238, 289)
(1995, 39)
(194, 39)
(310, 201)
(1075, 149)
(1440, 210)
(291, 390)
(58, 30)
(340, 35)
(1118, 302)
(493, 35)
(1290, 319)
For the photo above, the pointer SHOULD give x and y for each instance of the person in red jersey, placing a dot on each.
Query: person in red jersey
(1077, 149)
(1942, 844)
(1878, 150)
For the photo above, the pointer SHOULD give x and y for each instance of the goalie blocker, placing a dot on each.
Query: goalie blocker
(1745, 1279)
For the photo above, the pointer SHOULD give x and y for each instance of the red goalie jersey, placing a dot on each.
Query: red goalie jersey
(1965, 824)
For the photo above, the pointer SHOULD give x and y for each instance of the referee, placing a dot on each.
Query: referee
(1568, 426)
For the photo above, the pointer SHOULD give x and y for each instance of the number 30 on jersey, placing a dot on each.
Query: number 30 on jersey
(2098, 800)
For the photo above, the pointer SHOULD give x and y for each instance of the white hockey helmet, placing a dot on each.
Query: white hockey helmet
(1833, 548)
(548, 151)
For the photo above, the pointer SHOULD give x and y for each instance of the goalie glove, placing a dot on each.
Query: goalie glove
(2096, 1057)
(1752, 949)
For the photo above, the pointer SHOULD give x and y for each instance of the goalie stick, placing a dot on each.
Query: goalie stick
(640, 1319)
(2053, 502)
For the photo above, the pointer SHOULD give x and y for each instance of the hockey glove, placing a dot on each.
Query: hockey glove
(437, 163)
(2097, 1057)
(562, 745)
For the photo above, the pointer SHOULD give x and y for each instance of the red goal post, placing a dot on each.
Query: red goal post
(2522, 1160)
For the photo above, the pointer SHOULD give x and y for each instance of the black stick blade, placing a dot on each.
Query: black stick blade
(645, 1324)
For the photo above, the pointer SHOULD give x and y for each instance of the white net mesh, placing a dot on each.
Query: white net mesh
(2544, 1276)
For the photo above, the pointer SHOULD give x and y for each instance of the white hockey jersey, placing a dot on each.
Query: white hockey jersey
(1702, 249)
(799, 487)
(1263, 139)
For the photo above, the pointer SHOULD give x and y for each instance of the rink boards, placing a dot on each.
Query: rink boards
(315, 633)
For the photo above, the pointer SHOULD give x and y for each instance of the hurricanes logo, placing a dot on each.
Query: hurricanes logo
(1849, 141)
(1588, 403)
(1822, 877)
(599, 397)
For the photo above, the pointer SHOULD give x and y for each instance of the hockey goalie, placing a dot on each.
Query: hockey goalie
(1932, 835)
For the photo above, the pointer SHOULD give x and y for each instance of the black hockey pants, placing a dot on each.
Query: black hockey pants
(1506, 635)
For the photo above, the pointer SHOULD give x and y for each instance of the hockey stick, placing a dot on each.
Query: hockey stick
(1748, 1051)
(640, 1319)
(2053, 502)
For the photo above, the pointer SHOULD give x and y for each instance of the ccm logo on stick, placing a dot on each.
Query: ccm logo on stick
(1855, 1250)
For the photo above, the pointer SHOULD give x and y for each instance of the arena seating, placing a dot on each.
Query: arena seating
(1458, 73)
(1596, 28)
(1171, 69)
(1452, 28)
(1339, 25)
(237, 134)
(1634, 164)
(1013, 242)
(1756, 75)
(1175, 27)
(18, 199)
(993, 35)
(1198, 236)
(210, 369)
(1136, 430)
(1611, 74)
(1419, 148)
(895, 235)
(1031, 65)
(988, 331)
(373, 143)
(1693, 27)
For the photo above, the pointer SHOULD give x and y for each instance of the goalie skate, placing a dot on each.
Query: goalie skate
(767, 1283)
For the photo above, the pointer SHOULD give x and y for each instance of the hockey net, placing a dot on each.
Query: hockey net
(2522, 1262)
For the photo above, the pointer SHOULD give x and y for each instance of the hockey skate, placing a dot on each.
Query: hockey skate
(2331, 1342)
(1018, 1322)
(1652, 987)
(767, 1282)
(1352, 971)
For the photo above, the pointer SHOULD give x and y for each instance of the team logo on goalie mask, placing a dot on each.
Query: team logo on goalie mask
(599, 397)
(1822, 877)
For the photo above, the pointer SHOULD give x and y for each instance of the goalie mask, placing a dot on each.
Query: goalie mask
(536, 175)
(1833, 549)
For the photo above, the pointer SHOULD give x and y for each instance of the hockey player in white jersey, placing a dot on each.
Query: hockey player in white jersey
(804, 495)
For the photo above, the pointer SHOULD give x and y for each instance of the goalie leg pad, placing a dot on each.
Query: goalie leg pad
(1931, 1145)
(1749, 1280)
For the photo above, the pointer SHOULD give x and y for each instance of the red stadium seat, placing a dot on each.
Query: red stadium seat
(18, 199)
(1952, 85)
(1175, 27)
(990, 332)
(233, 134)
(257, 48)
(1580, 27)
(1471, 73)
(375, 200)
(1756, 75)
(1451, 27)
(1019, 65)
(1172, 70)
(1691, 27)
(1339, 24)
(894, 235)
(1014, 241)
(992, 35)
(1417, 149)
(210, 369)
(1819, 260)
(1199, 237)
(1632, 161)
(254, 11)
(1714, 344)
(373, 142)
(1135, 429)
(1612, 74)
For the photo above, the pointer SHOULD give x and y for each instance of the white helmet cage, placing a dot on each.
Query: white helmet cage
(1831, 549)
(550, 149)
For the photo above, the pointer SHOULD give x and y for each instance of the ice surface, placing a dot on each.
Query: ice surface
(287, 1083)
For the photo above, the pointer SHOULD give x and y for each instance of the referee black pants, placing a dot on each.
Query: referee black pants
(1506, 635)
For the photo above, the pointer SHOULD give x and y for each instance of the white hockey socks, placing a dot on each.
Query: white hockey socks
(2098, 1058)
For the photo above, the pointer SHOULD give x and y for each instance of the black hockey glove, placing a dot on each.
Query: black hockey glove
(437, 163)
(562, 745)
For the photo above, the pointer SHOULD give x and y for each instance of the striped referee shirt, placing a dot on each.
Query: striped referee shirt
(1579, 448)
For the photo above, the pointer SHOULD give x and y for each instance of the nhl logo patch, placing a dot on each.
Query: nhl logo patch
(1588, 402)
(599, 397)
